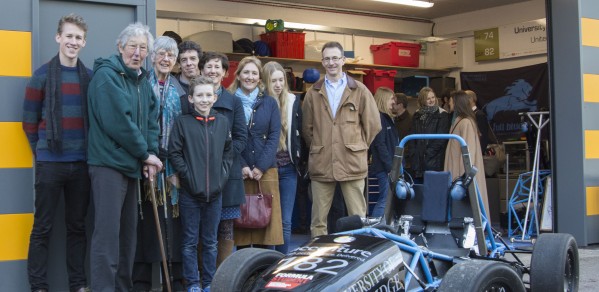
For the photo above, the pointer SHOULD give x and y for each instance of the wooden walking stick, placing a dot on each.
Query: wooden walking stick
(159, 232)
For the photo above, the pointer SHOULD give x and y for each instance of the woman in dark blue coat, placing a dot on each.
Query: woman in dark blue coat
(215, 65)
(258, 160)
(382, 147)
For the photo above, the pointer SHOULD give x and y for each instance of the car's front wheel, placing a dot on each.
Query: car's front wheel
(241, 269)
(479, 275)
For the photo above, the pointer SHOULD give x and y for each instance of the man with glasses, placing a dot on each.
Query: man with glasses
(123, 145)
(340, 120)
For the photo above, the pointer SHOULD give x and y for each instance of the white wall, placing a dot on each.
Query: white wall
(462, 26)
(223, 8)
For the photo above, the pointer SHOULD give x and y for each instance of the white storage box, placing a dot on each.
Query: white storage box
(213, 40)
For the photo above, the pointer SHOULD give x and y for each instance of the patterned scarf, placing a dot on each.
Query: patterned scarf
(53, 95)
(248, 102)
(170, 109)
(427, 111)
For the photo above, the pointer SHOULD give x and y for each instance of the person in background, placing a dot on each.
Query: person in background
(340, 120)
(481, 121)
(215, 66)
(383, 146)
(426, 155)
(403, 118)
(464, 126)
(168, 90)
(123, 144)
(258, 160)
(443, 101)
(289, 147)
(189, 59)
(55, 123)
(200, 150)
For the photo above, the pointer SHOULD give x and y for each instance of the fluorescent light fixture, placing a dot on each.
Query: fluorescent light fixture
(417, 3)
(431, 39)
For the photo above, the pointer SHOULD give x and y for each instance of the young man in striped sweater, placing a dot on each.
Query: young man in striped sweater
(55, 123)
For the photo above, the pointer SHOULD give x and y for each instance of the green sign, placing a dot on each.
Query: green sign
(486, 44)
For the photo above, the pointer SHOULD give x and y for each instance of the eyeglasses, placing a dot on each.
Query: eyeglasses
(162, 55)
(132, 48)
(334, 59)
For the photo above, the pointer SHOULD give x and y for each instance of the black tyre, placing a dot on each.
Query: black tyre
(479, 275)
(554, 263)
(240, 270)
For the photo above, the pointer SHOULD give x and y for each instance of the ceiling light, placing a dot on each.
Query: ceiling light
(417, 3)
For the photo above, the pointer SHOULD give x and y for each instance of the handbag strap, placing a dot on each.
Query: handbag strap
(259, 188)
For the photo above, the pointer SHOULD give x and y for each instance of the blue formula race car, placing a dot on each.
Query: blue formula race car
(434, 236)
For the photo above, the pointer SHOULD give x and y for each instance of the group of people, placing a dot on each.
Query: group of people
(122, 138)
(461, 118)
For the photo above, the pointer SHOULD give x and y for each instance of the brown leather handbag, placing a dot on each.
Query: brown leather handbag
(256, 211)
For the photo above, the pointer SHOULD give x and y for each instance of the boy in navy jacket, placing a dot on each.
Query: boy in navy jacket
(200, 150)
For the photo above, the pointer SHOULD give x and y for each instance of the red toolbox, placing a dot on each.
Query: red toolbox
(396, 54)
(376, 78)
(285, 44)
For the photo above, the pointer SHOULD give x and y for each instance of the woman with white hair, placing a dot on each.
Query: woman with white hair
(167, 89)
(123, 144)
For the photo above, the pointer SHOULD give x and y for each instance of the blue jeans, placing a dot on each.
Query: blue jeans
(194, 211)
(287, 189)
(383, 182)
(52, 180)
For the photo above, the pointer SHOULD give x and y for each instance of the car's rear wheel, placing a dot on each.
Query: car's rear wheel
(479, 275)
(241, 269)
(554, 263)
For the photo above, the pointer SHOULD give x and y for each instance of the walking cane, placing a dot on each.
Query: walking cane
(159, 232)
(166, 224)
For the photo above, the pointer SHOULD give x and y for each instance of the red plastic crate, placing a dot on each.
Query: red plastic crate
(230, 74)
(376, 78)
(285, 44)
(396, 54)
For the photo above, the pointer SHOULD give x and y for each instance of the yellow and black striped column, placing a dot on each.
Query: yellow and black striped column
(590, 69)
(16, 161)
(574, 61)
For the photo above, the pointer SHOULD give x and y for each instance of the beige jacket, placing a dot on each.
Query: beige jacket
(339, 146)
(466, 128)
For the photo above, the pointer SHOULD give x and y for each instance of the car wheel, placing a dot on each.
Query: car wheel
(480, 275)
(554, 263)
(239, 271)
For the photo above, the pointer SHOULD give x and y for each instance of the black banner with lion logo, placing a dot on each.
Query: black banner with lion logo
(505, 93)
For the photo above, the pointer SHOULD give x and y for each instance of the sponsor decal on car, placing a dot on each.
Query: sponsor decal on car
(384, 277)
(335, 251)
(288, 281)
(344, 239)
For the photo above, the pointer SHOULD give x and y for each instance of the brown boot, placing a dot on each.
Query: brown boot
(224, 249)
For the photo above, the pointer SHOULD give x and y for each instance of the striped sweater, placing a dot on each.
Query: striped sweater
(34, 113)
